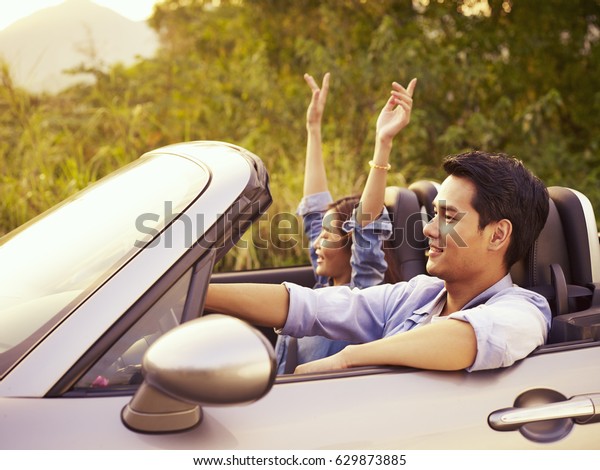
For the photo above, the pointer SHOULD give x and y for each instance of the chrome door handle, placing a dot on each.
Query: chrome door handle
(582, 408)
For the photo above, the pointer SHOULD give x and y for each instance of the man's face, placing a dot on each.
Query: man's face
(458, 250)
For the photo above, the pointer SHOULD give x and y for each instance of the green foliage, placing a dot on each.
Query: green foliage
(520, 77)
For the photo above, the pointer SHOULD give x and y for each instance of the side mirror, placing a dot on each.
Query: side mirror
(213, 360)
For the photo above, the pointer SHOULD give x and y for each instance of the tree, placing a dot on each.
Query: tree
(514, 76)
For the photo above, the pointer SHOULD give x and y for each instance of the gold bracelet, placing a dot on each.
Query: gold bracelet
(372, 164)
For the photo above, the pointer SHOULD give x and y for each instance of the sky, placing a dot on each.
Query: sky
(13, 10)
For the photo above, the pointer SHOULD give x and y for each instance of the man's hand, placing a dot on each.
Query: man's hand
(335, 362)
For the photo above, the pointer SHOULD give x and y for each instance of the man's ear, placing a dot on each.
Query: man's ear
(501, 235)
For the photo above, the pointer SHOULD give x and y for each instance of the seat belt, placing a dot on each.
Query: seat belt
(561, 293)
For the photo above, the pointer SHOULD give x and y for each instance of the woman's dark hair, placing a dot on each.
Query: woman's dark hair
(344, 206)
(392, 273)
(342, 211)
(505, 189)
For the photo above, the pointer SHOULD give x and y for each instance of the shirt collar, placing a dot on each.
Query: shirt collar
(482, 298)
(490, 292)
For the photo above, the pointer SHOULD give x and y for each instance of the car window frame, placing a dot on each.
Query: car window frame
(222, 235)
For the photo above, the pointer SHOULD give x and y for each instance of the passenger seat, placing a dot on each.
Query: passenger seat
(410, 209)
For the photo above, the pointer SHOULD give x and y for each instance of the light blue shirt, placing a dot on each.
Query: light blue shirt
(509, 321)
(366, 260)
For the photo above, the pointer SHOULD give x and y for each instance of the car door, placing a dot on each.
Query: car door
(365, 408)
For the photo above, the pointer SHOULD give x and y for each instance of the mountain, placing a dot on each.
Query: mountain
(40, 47)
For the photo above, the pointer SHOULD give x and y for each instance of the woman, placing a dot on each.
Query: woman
(346, 235)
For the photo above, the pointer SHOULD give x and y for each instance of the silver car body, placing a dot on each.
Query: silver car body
(42, 406)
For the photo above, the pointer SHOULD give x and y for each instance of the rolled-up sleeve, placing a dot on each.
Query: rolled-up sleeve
(336, 313)
(311, 209)
(507, 329)
(317, 202)
(368, 259)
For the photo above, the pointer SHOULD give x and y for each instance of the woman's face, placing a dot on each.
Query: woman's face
(332, 248)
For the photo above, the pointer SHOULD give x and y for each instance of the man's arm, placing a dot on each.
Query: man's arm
(447, 345)
(259, 304)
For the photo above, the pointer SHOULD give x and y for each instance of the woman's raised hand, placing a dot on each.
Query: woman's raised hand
(395, 115)
(314, 113)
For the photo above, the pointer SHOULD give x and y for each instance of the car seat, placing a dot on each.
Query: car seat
(426, 191)
(564, 263)
(405, 249)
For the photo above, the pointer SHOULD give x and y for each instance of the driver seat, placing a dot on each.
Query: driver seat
(564, 262)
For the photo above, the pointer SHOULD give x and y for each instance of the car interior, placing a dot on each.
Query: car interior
(563, 265)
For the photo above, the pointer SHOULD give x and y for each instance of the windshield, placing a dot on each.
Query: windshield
(48, 266)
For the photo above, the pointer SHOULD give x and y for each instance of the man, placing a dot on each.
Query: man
(466, 314)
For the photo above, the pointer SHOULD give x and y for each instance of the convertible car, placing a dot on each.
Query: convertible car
(104, 342)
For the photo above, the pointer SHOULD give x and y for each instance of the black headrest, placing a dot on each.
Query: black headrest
(549, 248)
(406, 247)
(426, 191)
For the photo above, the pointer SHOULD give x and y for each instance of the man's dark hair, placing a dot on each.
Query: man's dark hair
(505, 189)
